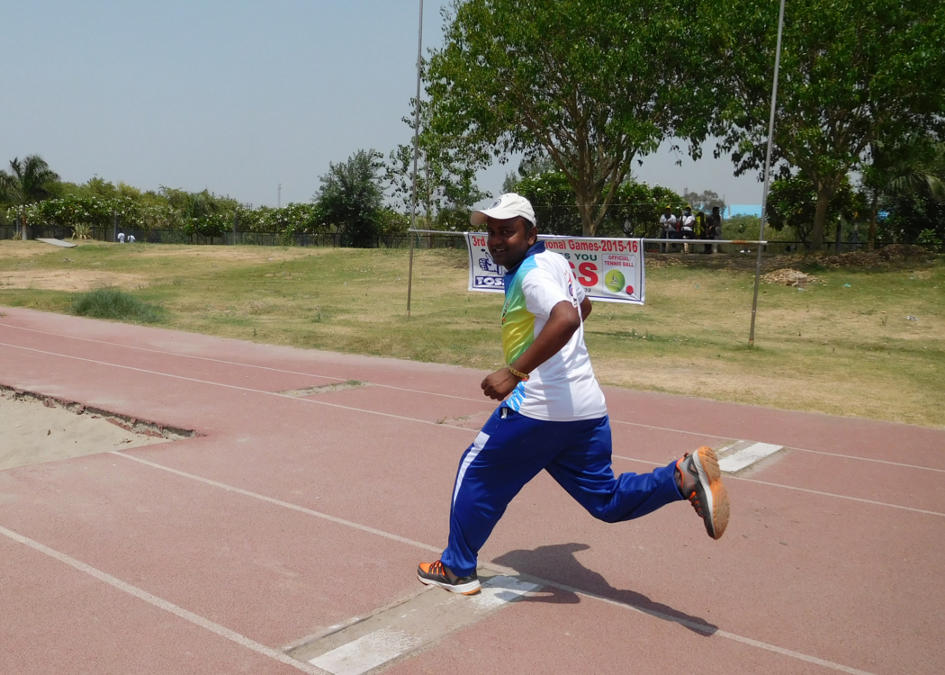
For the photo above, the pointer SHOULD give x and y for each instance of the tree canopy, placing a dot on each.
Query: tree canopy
(589, 84)
(29, 180)
(854, 75)
(351, 197)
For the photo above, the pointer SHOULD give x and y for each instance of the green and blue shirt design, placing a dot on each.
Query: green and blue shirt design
(564, 387)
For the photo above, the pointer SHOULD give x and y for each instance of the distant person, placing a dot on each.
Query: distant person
(131, 239)
(121, 237)
(713, 227)
(668, 225)
(687, 226)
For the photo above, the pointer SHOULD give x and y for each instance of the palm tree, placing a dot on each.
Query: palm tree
(914, 169)
(30, 181)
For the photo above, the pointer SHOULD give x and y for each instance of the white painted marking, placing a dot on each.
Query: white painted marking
(158, 602)
(403, 630)
(367, 652)
(502, 589)
(747, 456)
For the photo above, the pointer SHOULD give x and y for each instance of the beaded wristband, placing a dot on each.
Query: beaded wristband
(518, 373)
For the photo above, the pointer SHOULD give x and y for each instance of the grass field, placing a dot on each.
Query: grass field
(866, 338)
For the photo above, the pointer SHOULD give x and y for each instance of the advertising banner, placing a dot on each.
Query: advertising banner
(609, 269)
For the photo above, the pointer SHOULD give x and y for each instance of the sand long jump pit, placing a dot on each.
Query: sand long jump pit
(35, 428)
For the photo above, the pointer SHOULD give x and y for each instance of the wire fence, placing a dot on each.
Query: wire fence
(423, 239)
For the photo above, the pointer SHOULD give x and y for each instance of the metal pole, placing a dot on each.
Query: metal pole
(416, 152)
(764, 193)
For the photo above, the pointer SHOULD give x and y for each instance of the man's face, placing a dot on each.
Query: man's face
(509, 240)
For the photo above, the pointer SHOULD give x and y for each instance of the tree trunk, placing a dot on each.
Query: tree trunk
(585, 205)
(820, 219)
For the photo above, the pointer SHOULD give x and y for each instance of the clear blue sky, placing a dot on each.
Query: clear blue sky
(235, 96)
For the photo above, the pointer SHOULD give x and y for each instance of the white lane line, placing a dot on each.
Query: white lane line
(280, 503)
(701, 627)
(860, 500)
(744, 457)
(240, 364)
(711, 631)
(160, 603)
(833, 495)
(465, 430)
(237, 387)
(839, 455)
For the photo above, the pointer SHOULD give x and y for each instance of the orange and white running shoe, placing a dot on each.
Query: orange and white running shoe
(436, 574)
(708, 496)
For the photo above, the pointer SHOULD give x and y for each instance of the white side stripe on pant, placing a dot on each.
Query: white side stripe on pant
(480, 441)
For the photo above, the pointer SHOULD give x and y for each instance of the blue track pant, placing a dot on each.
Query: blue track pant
(511, 449)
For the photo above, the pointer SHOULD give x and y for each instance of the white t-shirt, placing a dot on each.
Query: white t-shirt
(668, 222)
(563, 388)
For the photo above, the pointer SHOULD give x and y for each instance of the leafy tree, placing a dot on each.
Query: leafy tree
(29, 180)
(200, 213)
(907, 182)
(704, 201)
(635, 209)
(792, 203)
(446, 185)
(552, 197)
(350, 197)
(588, 84)
(853, 74)
(638, 208)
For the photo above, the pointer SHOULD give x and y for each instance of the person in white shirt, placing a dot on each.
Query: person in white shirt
(668, 225)
(688, 226)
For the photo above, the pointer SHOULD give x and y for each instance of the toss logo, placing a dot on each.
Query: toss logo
(488, 282)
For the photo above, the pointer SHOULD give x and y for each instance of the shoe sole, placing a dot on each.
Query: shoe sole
(469, 588)
(712, 492)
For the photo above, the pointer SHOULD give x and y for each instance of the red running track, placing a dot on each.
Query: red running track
(305, 501)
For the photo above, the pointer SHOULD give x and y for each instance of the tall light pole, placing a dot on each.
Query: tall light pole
(764, 193)
(416, 152)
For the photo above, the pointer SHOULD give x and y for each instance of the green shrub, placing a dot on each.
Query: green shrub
(111, 303)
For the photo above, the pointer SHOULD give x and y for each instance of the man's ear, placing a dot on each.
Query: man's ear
(531, 232)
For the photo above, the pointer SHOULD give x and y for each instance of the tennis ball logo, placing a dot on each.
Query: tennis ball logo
(614, 280)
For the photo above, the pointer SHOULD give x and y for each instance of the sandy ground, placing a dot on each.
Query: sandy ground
(36, 430)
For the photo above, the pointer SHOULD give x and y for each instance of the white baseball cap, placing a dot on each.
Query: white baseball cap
(509, 205)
